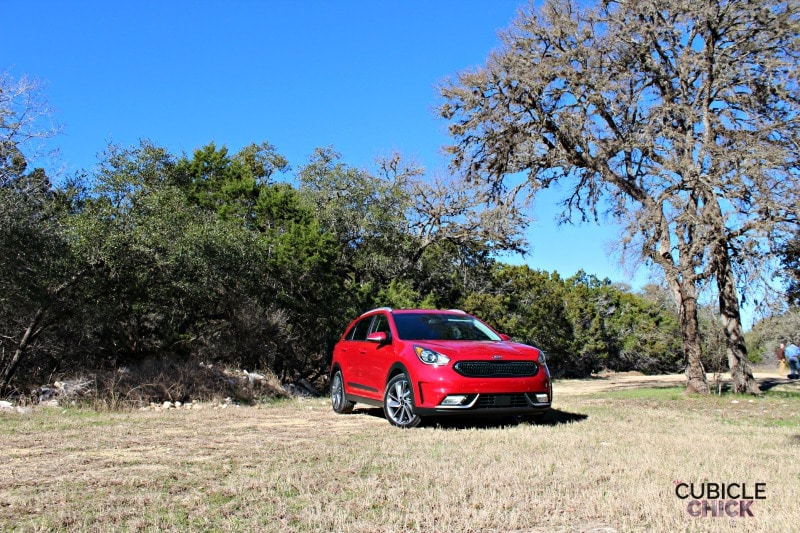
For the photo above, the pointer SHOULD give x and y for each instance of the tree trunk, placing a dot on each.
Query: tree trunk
(681, 281)
(741, 375)
(742, 378)
(30, 334)
(692, 348)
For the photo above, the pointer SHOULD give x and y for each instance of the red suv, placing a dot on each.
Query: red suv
(416, 363)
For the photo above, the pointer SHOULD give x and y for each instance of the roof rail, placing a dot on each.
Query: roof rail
(389, 309)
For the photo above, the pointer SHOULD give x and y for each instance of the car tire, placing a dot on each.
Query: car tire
(398, 403)
(339, 401)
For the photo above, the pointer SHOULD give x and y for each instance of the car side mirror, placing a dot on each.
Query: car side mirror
(505, 337)
(378, 336)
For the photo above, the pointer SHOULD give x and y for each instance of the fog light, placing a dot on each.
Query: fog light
(454, 399)
(541, 398)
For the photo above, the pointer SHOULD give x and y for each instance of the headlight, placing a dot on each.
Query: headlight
(429, 357)
(542, 358)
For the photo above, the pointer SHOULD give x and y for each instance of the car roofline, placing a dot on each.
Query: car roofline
(388, 309)
(435, 311)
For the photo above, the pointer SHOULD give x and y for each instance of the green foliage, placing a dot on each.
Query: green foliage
(200, 258)
(155, 257)
(768, 333)
(37, 271)
(364, 212)
(646, 330)
(402, 295)
(229, 186)
(530, 306)
(583, 324)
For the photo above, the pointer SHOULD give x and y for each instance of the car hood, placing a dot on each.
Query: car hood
(482, 350)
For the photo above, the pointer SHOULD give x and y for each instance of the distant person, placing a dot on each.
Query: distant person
(780, 352)
(792, 353)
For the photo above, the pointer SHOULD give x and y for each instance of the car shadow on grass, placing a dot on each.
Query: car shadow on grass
(553, 417)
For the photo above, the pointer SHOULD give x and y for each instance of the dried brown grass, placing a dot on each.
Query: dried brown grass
(599, 463)
(161, 380)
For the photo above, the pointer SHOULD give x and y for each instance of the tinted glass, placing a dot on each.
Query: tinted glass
(361, 330)
(433, 326)
(381, 324)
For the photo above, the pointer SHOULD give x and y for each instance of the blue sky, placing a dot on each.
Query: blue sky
(358, 75)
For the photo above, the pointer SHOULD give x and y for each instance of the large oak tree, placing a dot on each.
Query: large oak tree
(678, 119)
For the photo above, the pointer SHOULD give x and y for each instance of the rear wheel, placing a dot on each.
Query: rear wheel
(398, 403)
(339, 401)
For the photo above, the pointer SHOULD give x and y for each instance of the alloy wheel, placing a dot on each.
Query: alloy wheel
(399, 403)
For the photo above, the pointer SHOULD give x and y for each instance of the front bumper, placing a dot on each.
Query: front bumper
(496, 395)
(491, 404)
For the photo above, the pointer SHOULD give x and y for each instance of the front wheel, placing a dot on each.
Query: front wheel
(398, 403)
(339, 402)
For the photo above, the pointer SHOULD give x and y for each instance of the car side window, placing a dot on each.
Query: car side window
(361, 330)
(381, 323)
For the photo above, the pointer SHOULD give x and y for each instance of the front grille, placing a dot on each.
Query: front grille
(501, 401)
(496, 369)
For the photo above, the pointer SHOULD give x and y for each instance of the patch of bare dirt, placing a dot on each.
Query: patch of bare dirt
(611, 381)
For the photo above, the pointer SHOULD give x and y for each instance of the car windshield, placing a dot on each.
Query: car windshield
(437, 326)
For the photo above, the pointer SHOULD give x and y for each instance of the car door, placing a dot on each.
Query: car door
(378, 357)
(352, 352)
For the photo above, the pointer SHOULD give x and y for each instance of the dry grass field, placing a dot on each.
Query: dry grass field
(602, 461)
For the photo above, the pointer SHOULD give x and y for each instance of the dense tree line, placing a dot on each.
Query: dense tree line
(210, 258)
